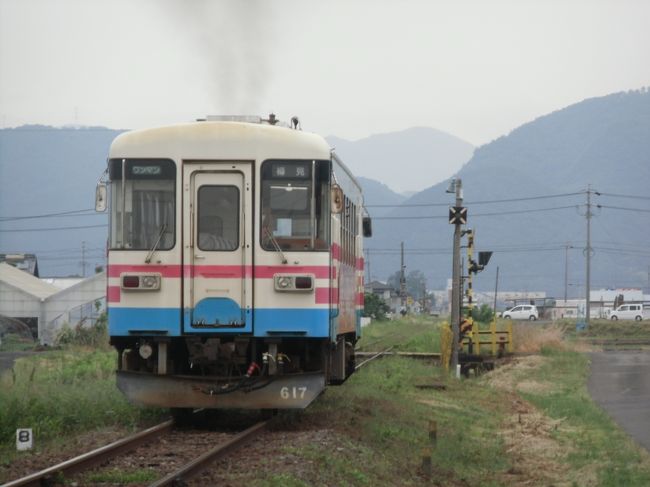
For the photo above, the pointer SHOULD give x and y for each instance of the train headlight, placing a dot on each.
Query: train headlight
(150, 282)
(295, 283)
(140, 282)
(283, 282)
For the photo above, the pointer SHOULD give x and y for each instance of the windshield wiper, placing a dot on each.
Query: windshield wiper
(155, 245)
(275, 243)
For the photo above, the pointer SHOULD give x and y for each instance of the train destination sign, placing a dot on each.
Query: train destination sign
(290, 171)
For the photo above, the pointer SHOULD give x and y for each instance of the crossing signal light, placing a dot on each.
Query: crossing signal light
(484, 258)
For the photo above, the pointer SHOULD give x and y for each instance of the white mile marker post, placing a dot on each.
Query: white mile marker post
(24, 439)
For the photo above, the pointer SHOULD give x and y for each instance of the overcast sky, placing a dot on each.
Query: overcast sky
(475, 69)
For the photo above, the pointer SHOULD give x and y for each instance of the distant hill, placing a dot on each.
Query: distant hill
(409, 160)
(45, 170)
(378, 194)
(602, 141)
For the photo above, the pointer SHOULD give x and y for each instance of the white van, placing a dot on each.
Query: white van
(628, 312)
(522, 312)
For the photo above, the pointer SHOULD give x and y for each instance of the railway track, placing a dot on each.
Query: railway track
(372, 357)
(177, 477)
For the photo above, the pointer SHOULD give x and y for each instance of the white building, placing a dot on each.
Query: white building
(46, 307)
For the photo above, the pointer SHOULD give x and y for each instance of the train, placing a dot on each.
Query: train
(235, 264)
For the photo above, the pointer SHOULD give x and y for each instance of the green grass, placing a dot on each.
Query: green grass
(384, 419)
(597, 442)
(606, 329)
(16, 343)
(119, 477)
(62, 392)
(409, 334)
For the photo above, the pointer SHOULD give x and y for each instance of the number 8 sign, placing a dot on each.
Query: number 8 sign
(24, 439)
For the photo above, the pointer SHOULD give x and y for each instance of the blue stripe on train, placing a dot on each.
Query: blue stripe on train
(267, 322)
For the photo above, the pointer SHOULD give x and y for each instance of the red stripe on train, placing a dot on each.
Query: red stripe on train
(326, 295)
(222, 271)
(113, 294)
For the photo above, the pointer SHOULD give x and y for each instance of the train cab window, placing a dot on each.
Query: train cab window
(295, 205)
(142, 204)
(218, 218)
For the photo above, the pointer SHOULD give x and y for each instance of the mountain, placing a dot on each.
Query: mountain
(409, 160)
(376, 194)
(545, 167)
(45, 170)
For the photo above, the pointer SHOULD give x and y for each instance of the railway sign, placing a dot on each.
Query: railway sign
(458, 215)
(24, 439)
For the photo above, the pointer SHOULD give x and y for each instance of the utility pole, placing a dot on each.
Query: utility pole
(588, 251)
(402, 282)
(83, 258)
(566, 272)
(455, 290)
(496, 287)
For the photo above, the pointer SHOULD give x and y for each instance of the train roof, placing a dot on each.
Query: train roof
(231, 140)
(235, 140)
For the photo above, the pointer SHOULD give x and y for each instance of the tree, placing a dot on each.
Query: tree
(483, 313)
(416, 283)
(375, 307)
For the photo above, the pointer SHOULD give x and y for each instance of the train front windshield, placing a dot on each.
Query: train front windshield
(142, 204)
(295, 205)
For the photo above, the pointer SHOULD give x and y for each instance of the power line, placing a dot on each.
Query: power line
(485, 202)
(614, 195)
(52, 229)
(642, 210)
(47, 215)
(499, 213)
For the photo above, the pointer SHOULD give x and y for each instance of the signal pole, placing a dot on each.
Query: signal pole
(455, 289)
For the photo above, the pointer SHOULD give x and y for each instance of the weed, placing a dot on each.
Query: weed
(62, 392)
(121, 477)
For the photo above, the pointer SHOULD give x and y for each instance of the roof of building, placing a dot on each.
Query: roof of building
(24, 262)
(378, 286)
(26, 282)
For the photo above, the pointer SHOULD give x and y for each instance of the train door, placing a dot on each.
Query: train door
(217, 253)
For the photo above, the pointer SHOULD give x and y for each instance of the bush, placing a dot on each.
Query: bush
(484, 313)
(375, 307)
(95, 336)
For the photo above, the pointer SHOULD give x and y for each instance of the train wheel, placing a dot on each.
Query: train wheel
(268, 413)
(182, 416)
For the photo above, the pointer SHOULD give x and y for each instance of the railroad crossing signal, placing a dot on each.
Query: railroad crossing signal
(458, 215)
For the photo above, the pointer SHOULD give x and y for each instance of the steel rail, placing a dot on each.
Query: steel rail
(200, 463)
(92, 458)
(378, 354)
(420, 355)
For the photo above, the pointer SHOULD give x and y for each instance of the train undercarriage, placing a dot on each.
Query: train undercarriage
(231, 371)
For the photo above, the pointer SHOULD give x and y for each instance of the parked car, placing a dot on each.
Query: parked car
(522, 312)
(629, 312)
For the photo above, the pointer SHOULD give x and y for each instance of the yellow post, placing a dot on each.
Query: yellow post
(493, 336)
(446, 338)
(510, 343)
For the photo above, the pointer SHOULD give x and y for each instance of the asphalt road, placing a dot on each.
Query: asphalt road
(620, 384)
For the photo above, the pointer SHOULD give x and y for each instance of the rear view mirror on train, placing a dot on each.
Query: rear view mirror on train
(100, 197)
(337, 199)
(367, 226)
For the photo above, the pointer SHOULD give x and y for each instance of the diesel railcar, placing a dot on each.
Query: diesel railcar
(235, 264)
